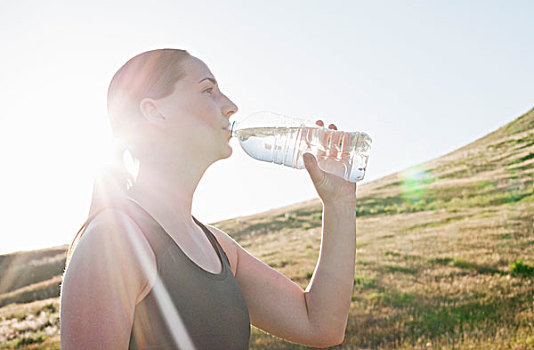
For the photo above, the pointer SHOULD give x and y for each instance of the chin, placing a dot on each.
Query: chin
(224, 152)
(228, 152)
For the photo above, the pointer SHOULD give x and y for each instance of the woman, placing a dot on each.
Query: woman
(146, 274)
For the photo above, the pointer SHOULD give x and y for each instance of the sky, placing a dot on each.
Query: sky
(422, 78)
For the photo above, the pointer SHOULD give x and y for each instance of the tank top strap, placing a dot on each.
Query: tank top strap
(160, 240)
(155, 234)
(213, 241)
(148, 226)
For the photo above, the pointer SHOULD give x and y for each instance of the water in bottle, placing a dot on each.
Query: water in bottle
(270, 137)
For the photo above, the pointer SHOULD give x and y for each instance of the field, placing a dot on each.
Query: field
(445, 256)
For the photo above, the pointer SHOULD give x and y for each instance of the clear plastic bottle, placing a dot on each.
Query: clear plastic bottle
(279, 139)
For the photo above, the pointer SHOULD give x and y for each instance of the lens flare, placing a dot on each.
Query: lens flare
(174, 322)
(414, 184)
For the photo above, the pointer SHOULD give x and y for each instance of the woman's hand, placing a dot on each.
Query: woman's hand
(331, 188)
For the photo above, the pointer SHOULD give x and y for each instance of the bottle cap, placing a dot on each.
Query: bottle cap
(232, 129)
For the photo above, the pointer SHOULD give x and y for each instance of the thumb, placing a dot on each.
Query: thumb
(310, 162)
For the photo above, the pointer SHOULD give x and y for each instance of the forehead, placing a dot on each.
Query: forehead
(196, 70)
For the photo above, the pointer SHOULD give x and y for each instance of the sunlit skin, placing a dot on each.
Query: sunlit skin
(111, 271)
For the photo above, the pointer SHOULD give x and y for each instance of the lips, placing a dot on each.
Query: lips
(228, 131)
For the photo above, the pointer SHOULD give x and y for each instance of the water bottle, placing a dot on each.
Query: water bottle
(279, 139)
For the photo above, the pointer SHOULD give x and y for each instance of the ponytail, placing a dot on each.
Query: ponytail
(109, 187)
(151, 74)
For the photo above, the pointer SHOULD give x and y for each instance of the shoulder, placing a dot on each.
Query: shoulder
(112, 221)
(114, 250)
(105, 279)
(114, 229)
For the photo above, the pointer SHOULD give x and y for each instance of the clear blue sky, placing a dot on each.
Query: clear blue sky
(421, 77)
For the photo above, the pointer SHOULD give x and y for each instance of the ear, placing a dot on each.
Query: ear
(150, 111)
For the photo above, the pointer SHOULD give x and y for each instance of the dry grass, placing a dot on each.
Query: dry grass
(430, 277)
(445, 254)
(33, 325)
(24, 269)
(435, 248)
(37, 291)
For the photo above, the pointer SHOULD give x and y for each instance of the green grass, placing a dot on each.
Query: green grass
(519, 268)
(445, 256)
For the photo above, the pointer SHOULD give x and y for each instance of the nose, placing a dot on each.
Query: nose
(229, 108)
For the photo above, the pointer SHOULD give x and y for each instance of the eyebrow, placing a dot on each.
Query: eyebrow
(210, 79)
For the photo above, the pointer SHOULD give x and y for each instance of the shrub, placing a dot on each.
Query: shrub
(519, 268)
(364, 282)
(30, 340)
(317, 216)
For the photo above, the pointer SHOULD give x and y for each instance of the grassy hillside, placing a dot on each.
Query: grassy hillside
(445, 255)
(29, 276)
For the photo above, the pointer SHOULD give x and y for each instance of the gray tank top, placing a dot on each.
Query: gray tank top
(187, 307)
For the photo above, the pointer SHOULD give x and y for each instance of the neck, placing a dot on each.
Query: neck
(166, 190)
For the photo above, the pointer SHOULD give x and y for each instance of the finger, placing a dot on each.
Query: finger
(324, 141)
(335, 144)
(346, 145)
(308, 135)
(322, 138)
(316, 174)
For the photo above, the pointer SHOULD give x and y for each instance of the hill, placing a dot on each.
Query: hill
(445, 255)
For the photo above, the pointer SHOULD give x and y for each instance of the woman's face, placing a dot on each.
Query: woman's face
(196, 115)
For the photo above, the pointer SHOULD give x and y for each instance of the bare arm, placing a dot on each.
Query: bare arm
(329, 293)
(108, 273)
(318, 315)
